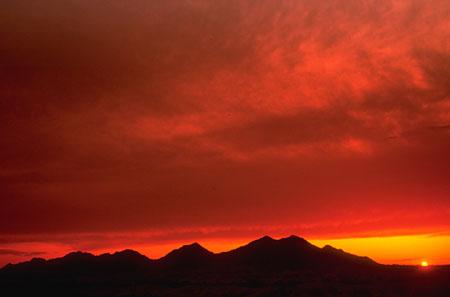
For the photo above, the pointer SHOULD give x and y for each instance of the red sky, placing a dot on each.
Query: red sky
(206, 120)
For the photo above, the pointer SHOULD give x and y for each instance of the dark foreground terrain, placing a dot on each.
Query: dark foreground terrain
(265, 267)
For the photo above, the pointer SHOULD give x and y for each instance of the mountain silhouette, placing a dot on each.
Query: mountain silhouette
(287, 253)
(188, 256)
(265, 267)
(291, 253)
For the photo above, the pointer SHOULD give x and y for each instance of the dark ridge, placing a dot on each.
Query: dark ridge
(261, 242)
(189, 249)
(28, 265)
(265, 238)
(330, 249)
(76, 256)
(293, 239)
(341, 254)
(126, 259)
(269, 254)
(81, 265)
(130, 255)
(188, 256)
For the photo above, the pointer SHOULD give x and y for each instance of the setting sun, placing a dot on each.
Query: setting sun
(424, 264)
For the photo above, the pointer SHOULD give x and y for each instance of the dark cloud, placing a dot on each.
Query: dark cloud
(308, 126)
(20, 253)
(440, 128)
(435, 64)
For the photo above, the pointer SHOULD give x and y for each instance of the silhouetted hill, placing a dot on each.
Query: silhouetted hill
(186, 257)
(265, 267)
(80, 266)
(292, 253)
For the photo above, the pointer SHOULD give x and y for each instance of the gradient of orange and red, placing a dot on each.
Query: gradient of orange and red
(149, 124)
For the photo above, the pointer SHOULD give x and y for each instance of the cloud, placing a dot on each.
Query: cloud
(138, 115)
(19, 253)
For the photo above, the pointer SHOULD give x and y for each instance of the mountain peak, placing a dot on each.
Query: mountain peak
(128, 253)
(268, 253)
(78, 255)
(188, 255)
(331, 248)
(192, 248)
(267, 241)
(262, 241)
(195, 245)
(294, 239)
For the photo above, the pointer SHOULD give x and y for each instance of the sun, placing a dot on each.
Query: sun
(424, 263)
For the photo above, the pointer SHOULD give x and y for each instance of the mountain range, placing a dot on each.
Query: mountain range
(265, 267)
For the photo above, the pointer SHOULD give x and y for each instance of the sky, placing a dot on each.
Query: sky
(151, 124)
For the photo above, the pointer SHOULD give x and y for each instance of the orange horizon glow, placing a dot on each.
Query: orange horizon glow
(402, 250)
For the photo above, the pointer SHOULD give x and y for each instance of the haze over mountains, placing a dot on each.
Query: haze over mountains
(265, 267)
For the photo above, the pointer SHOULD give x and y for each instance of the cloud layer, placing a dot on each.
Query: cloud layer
(143, 115)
